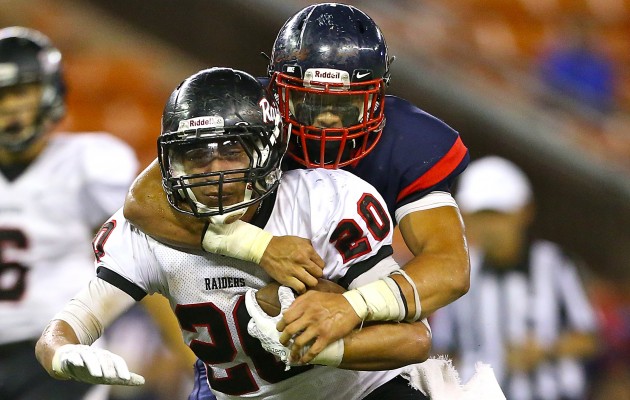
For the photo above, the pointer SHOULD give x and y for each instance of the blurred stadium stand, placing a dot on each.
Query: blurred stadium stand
(470, 62)
(118, 76)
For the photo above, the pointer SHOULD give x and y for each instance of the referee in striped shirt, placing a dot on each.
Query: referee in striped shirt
(526, 313)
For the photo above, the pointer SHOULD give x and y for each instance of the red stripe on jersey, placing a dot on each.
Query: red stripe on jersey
(439, 171)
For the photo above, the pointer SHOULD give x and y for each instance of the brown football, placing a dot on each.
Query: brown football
(267, 297)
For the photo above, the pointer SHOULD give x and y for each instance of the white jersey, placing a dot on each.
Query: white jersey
(346, 220)
(48, 216)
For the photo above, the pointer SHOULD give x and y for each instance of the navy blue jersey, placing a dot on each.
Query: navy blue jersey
(417, 154)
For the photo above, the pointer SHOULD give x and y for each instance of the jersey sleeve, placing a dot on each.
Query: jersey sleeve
(432, 157)
(109, 166)
(125, 260)
(416, 155)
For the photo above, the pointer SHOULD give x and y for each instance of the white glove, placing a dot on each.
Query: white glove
(93, 365)
(263, 326)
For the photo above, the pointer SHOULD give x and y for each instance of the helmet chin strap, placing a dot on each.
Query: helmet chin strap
(227, 217)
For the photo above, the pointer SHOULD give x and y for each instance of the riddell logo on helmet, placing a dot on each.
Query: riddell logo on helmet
(327, 74)
(200, 122)
(316, 78)
(203, 122)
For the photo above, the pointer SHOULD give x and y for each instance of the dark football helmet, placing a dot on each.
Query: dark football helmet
(329, 68)
(220, 127)
(28, 57)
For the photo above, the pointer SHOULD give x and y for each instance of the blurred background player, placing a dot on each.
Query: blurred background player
(329, 69)
(55, 190)
(527, 313)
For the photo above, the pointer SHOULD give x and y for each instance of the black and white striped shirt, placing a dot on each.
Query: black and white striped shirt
(542, 296)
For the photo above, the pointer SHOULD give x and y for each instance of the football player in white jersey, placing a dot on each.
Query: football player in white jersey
(55, 191)
(220, 152)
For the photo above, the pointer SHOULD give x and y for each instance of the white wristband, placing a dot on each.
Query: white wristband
(332, 354)
(416, 296)
(238, 239)
(379, 300)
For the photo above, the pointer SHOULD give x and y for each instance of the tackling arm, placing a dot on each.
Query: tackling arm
(440, 267)
(290, 260)
(147, 208)
(439, 271)
(376, 346)
(386, 345)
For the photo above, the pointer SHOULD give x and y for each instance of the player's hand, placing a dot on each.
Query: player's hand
(292, 261)
(93, 365)
(263, 326)
(315, 319)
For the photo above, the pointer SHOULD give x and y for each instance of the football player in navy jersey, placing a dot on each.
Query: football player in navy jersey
(329, 70)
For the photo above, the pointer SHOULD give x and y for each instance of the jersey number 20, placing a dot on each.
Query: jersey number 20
(238, 379)
(350, 240)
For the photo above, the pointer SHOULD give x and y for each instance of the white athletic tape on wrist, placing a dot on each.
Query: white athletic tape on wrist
(416, 296)
(238, 239)
(85, 325)
(357, 302)
(375, 302)
(332, 355)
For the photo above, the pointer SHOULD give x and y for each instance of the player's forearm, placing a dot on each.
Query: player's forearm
(64, 345)
(440, 280)
(56, 334)
(386, 346)
(147, 207)
(440, 267)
